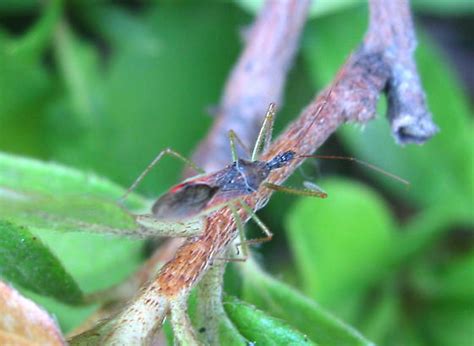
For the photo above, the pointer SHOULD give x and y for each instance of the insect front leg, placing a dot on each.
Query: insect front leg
(233, 139)
(265, 134)
(312, 190)
(165, 228)
(169, 152)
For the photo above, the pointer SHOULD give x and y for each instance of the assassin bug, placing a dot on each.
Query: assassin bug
(181, 210)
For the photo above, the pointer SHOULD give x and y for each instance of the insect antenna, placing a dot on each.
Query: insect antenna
(361, 162)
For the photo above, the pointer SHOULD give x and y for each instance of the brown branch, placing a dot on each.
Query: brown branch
(383, 62)
(394, 36)
(257, 80)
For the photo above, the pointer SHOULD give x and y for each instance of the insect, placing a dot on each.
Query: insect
(181, 210)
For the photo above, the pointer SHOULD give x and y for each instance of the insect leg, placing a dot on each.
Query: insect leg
(259, 222)
(233, 149)
(311, 190)
(169, 152)
(265, 134)
(241, 229)
(233, 138)
(163, 228)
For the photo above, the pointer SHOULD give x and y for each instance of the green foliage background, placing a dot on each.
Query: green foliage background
(99, 88)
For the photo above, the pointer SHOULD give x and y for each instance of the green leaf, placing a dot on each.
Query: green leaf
(444, 7)
(18, 6)
(50, 197)
(450, 280)
(448, 324)
(302, 313)
(260, 328)
(33, 44)
(425, 229)
(51, 179)
(26, 261)
(68, 316)
(448, 150)
(79, 66)
(122, 29)
(22, 104)
(25, 197)
(341, 244)
(66, 213)
(141, 104)
(381, 314)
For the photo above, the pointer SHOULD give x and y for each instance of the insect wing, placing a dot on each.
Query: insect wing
(183, 201)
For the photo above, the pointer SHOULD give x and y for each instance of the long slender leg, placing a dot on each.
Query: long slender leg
(243, 242)
(151, 226)
(269, 128)
(259, 222)
(264, 136)
(233, 148)
(311, 190)
(169, 152)
(241, 229)
(233, 138)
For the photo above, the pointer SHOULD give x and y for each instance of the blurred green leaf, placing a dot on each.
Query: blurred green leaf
(260, 328)
(381, 315)
(49, 197)
(282, 301)
(51, 179)
(26, 261)
(95, 261)
(122, 29)
(142, 104)
(66, 213)
(18, 6)
(78, 62)
(341, 244)
(425, 229)
(448, 150)
(451, 280)
(36, 40)
(444, 7)
(448, 324)
(68, 316)
(22, 105)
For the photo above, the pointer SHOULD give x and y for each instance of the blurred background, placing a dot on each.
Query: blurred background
(103, 86)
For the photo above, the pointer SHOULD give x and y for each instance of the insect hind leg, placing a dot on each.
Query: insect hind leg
(169, 152)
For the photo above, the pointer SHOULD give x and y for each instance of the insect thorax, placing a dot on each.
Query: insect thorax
(245, 176)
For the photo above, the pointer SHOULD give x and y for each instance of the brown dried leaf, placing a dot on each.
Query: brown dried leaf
(22, 322)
